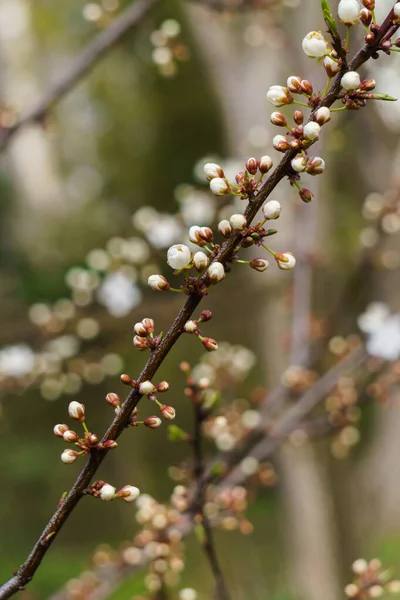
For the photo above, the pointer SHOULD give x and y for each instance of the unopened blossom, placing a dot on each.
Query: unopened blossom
(70, 436)
(299, 164)
(188, 594)
(146, 388)
(212, 170)
(129, 493)
(279, 95)
(278, 119)
(168, 412)
(76, 411)
(332, 67)
(163, 386)
(224, 228)
(285, 261)
(349, 11)
(194, 236)
(311, 131)
(200, 261)
(322, 115)
(69, 456)
(359, 566)
(210, 344)
(366, 17)
(158, 283)
(351, 590)
(140, 329)
(306, 195)
(152, 422)
(190, 326)
(216, 272)
(272, 209)
(315, 45)
(252, 165)
(396, 10)
(280, 143)
(60, 429)
(259, 264)
(179, 256)
(238, 221)
(315, 165)
(219, 186)
(107, 492)
(350, 81)
(140, 343)
(294, 84)
(265, 164)
(113, 399)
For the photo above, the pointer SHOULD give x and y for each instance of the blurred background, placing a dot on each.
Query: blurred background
(91, 198)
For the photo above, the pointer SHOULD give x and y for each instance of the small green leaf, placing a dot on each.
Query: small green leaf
(382, 97)
(176, 434)
(200, 534)
(217, 469)
(328, 17)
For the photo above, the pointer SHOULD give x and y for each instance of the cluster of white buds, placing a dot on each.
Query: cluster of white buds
(148, 389)
(105, 491)
(144, 338)
(219, 185)
(370, 580)
(192, 327)
(247, 182)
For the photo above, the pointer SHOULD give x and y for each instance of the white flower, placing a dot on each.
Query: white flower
(384, 339)
(312, 130)
(219, 186)
(158, 283)
(119, 294)
(359, 566)
(315, 45)
(350, 81)
(373, 317)
(188, 594)
(279, 96)
(349, 11)
(179, 256)
(216, 272)
(299, 164)
(146, 388)
(238, 221)
(76, 411)
(285, 260)
(200, 261)
(107, 492)
(272, 209)
(16, 361)
(213, 170)
(69, 456)
(323, 115)
(396, 10)
(129, 493)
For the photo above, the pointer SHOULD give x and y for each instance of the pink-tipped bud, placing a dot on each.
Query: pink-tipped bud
(76, 411)
(140, 343)
(140, 329)
(210, 344)
(285, 261)
(129, 493)
(366, 17)
(216, 272)
(107, 492)
(168, 412)
(113, 399)
(109, 444)
(163, 386)
(294, 84)
(298, 117)
(323, 115)
(278, 119)
(93, 439)
(190, 327)
(259, 264)
(148, 324)
(265, 164)
(367, 85)
(69, 456)
(306, 87)
(152, 422)
(70, 436)
(146, 388)
(158, 283)
(60, 429)
(239, 178)
(280, 143)
(224, 228)
(306, 195)
(315, 165)
(252, 166)
(205, 315)
(212, 170)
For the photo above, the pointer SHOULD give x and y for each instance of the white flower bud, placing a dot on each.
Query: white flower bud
(70, 436)
(146, 388)
(311, 131)
(279, 95)
(396, 10)
(190, 326)
(299, 164)
(350, 81)
(285, 261)
(69, 456)
(315, 165)
(272, 209)
(359, 566)
(332, 67)
(179, 256)
(200, 261)
(158, 283)
(212, 170)
(375, 591)
(315, 45)
(351, 590)
(238, 221)
(323, 115)
(294, 84)
(259, 264)
(349, 11)
(60, 429)
(265, 164)
(129, 493)
(140, 329)
(219, 186)
(280, 143)
(194, 235)
(216, 272)
(107, 492)
(224, 228)
(76, 411)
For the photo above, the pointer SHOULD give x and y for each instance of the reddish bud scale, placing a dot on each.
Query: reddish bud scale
(306, 195)
(93, 439)
(298, 117)
(127, 380)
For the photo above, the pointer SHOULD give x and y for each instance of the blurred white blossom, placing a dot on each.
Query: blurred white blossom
(118, 294)
(16, 361)
(382, 330)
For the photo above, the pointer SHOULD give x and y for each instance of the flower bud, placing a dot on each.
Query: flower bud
(140, 329)
(238, 221)
(60, 429)
(351, 590)
(163, 386)
(109, 445)
(146, 388)
(148, 324)
(294, 84)
(312, 131)
(299, 164)
(322, 115)
(216, 272)
(219, 186)
(332, 67)
(194, 236)
(280, 143)
(93, 439)
(252, 166)
(367, 85)
(306, 195)
(69, 456)
(315, 45)
(396, 10)
(212, 170)
(152, 422)
(129, 493)
(127, 379)
(285, 261)
(278, 119)
(350, 81)
(315, 165)
(272, 209)
(70, 436)
(349, 11)
(76, 411)
(306, 87)
(168, 412)
(205, 315)
(375, 591)
(200, 261)
(210, 344)
(206, 234)
(366, 17)
(298, 117)
(239, 178)
(370, 4)
(158, 283)
(279, 96)
(107, 492)
(224, 228)
(259, 264)
(190, 326)
(265, 164)
(359, 566)
(179, 256)
(140, 343)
